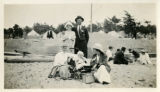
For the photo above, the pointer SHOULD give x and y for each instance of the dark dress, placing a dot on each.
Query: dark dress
(136, 54)
(81, 40)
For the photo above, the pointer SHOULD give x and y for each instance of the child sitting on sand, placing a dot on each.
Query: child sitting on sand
(80, 60)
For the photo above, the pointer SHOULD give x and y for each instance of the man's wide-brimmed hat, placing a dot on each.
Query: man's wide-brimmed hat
(79, 17)
(68, 23)
(98, 47)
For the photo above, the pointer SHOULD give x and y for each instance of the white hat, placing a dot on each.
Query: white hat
(143, 50)
(99, 47)
(80, 53)
(68, 23)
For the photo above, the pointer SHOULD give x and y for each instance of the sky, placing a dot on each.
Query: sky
(54, 14)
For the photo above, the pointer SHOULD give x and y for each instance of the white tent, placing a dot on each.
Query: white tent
(33, 35)
(45, 35)
(101, 32)
(122, 33)
(114, 34)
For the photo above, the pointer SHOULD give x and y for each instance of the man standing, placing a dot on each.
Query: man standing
(82, 36)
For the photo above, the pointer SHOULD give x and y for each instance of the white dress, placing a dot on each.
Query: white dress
(109, 54)
(69, 39)
(144, 59)
(102, 75)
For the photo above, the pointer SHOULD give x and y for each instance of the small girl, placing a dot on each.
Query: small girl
(80, 60)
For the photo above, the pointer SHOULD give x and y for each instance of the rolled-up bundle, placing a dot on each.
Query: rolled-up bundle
(29, 59)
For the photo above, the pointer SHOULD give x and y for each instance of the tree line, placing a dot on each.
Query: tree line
(128, 24)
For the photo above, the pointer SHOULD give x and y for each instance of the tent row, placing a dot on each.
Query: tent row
(34, 35)
(113, 34)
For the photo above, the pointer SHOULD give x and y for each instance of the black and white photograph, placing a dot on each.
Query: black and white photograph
(80, 45)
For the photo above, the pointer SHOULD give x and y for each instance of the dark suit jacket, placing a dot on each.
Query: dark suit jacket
(120, 59)
(82, 40)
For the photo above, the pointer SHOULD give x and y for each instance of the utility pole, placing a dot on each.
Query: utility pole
(91, 19)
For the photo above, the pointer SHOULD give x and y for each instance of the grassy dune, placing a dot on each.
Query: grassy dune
(51, 47)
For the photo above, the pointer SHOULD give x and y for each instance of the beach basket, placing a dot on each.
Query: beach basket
(88, 78)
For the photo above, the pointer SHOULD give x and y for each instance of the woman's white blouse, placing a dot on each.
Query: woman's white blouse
(61, 58)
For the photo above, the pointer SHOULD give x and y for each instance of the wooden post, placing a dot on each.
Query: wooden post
(91, 19)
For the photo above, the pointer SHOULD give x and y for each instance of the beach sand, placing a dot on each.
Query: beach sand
(35, 75)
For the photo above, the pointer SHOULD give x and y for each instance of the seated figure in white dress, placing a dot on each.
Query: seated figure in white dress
(144, 58)
(100, 65)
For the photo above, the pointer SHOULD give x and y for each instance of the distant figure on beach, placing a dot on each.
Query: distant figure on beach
(109, 53)
(119, 57)
(82, 36)
(135, 54)
(50, 34)
(144, 58)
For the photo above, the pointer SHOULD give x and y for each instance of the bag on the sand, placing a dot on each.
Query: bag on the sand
(53, 72)
(86, 69)
(64, 72)
(88, 78)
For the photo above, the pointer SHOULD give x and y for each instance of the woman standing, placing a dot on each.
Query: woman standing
(99, 65)
(69, 37)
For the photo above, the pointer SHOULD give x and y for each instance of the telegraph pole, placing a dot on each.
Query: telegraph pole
(91, 19)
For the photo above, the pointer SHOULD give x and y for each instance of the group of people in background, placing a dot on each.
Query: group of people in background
(72, 61)
(121, 57)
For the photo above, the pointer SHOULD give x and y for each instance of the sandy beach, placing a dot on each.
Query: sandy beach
(35, 75)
